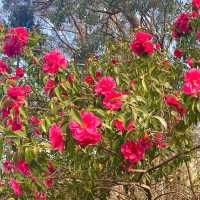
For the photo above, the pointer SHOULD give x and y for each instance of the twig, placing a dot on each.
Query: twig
(190, 180)
(173, 158)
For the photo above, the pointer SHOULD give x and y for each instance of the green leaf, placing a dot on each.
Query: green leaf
(75, 115)
(161, 120)
(144, 85)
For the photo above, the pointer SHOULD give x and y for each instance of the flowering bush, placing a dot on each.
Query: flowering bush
(121, 118)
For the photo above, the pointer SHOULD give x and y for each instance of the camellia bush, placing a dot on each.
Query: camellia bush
(124, 118)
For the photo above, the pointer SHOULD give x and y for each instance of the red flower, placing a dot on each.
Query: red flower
(178, 53)
(98, 74)
(130, 126)
(3, 67)
(157, 45)
(39, 195)
(105, 85)
(37, 132)
(48, 182)
(181, 25)
(85, 133)
(89, 79)
(23, 168)
(142, 44)
(15, 123)
(159, 140)
(27, 89)
(5, 111)
(54, 61)
(191, 84)
(17, 93)
(15, 41)
(56, 137)
(194, 14)
(112, 100)
(196, 4)
(8, 165)
(70, 77)
(132, 151)
(15, 186)
(114, 61)
(51, 168)
(173, 101)
(145, 142)
(19, 72)
(35, 121)
(49, 86)
(119, 125)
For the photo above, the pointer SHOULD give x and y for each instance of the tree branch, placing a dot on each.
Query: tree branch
(173, 158)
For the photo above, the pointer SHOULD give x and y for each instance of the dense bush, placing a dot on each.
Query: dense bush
(124, 118)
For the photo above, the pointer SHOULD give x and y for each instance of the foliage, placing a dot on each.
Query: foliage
(75, 138)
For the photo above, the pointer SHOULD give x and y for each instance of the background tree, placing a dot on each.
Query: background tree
(83, 27)
(19, 13)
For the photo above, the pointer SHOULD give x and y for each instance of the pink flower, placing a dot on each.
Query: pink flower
(8, 165)
(54, 61)
(196, 4)
(15, 41)
(6, 111)
(142, 44)
(49, 86)
(89, 79)
(39, 195)
(105, 85)
(23, 168)
(194, 14)
(35, 121)
(18, 93)
(173, 101)
(189, 61)
(27, 89)
(15, 92)
(19, 72)
(15, 185)
(85, 133)
(119, 125)
(130, 126)
(159, 141)
(178, 53)
(48, 182)
(56, 137)
(132, 151)
(145, 142)
(182, 25)
(112, 100)
(191, 84)
(3, 67)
